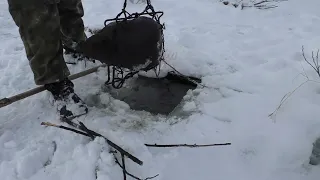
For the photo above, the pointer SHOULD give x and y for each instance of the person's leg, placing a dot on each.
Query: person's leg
(72, 27)
(39, 28)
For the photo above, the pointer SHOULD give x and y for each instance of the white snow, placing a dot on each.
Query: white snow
(248, 60)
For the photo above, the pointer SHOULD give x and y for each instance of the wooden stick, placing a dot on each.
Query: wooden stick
(92, 134)
(66, 128)
(7, 101)
(186, 145)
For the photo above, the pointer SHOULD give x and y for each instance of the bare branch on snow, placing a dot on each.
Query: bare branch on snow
(264, 4)
(83, 130)
(315, 65)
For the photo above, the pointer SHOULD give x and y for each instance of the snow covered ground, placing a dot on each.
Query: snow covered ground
(248, 59)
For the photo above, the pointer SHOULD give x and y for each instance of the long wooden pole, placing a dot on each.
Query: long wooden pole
(7, 101)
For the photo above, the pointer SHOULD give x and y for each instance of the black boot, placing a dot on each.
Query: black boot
(68, 103)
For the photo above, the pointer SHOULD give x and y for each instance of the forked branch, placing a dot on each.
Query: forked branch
(315, 61)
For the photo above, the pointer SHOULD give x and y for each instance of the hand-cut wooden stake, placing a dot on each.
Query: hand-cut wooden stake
(7, 101)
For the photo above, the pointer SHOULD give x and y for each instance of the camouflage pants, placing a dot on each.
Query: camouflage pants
(44, 25)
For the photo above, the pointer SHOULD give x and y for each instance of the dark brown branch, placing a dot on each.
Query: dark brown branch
(65, 128)
(186, 145)
(261, 2)
(122, 151)
(93, 134)
(124, 167)
(129, 174)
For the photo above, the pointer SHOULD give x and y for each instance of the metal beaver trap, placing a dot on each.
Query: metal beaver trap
(128, 44)
(131, 43)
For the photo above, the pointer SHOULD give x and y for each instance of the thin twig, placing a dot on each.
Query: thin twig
(264, 4)
(129, 174)
(315, 64)
(261, 2)
(186, 145)
(124, 167)
(66, 128)
(93, 134)
(286, 97)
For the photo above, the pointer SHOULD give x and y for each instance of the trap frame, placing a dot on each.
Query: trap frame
(118, 75)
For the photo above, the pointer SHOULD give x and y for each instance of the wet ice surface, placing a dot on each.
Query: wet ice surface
(154, 95)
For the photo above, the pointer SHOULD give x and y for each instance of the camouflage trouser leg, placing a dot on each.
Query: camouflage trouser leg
(40, 29)
(72, 28)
